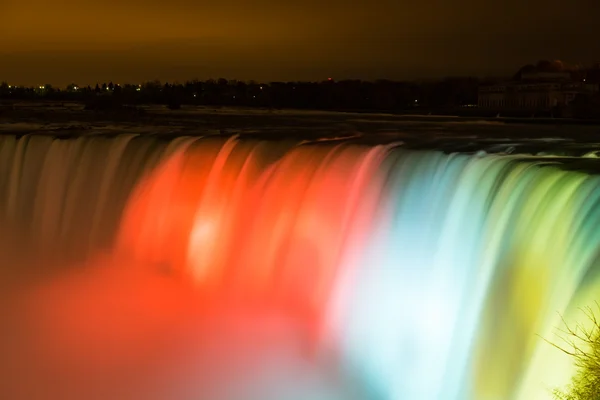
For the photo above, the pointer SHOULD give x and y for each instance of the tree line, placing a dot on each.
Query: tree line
(329, 94)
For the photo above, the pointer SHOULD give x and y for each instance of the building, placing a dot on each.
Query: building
(535, 92)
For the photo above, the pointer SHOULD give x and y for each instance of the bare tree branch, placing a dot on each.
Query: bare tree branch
(583, 344)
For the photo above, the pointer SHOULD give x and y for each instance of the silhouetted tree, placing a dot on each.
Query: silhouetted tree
(583, 345)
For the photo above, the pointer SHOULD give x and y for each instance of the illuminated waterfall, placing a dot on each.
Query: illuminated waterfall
(426, 275)
(66, 196)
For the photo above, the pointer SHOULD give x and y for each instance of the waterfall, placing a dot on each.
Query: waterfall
(419, 274)
(62, 197)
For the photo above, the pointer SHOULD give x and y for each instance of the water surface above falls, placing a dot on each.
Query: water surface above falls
(68, 120)
(388, 266)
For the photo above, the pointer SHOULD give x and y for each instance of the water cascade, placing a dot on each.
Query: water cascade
(412, 274)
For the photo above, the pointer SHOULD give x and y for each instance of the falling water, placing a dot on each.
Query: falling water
(407, 274)
(66, 196)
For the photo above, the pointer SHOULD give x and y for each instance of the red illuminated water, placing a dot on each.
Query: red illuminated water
(219, 284)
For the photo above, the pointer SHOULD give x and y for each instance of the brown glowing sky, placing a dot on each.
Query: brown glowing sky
(86, 41)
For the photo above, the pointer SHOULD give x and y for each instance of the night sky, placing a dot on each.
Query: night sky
(64, 41)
